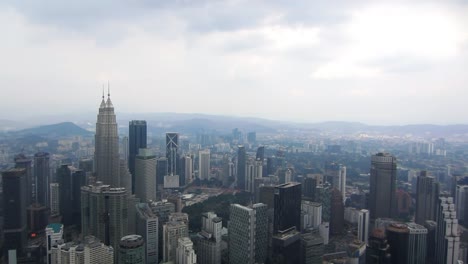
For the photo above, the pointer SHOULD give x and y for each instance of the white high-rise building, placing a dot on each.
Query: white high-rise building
(363, 225)
(185, 252)
(209, 243)
(204, 164)
(54, 198)
(172, 231)
(312, 214)
(91, 251)
(250, 177)
(54, 236)
(145, 175)
(447, 235)
(188, 170)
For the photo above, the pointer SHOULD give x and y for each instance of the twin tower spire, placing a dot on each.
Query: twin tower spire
(107, 104)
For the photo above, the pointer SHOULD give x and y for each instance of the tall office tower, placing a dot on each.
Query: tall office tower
(447, 236)
(41, 176)
(260, 153)
(106, 151)
(186, 170)
(54, 236)
(54, 199)
(161, 170)
(252, 137)
(407, 243)
(382, 196)
(104, 213)
(132, 250)
(309, 186)
(172, 231)
(162, 210)
(337, 174)
(14, 209)
(147, 227)
(431, 227)
(287, 202)
(248, 234)
(312, 214)
(21, 161)
(145, 171)
(70, 181)
(241, 163)
(427, 195)
(266, 195)
(312, 248)
(363, 225)
(337, 213)
(378, 249)
(204, 164)
(90, 251)
(124, 149)
(137, 139)
(323, 196)
(172, 146)
(250, 177)
(461, 202)
(271, 166)
(37, 217)
(185, 253)
(209, 242)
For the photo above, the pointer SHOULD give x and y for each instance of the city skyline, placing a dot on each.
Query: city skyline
(357, 60)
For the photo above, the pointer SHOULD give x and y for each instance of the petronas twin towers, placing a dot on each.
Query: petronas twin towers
(109, 169)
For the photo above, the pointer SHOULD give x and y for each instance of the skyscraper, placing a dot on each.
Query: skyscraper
(209, 242)
(104, 213)
(21, 161)
(204, 164)
(185, 253)
(241, 163)
(14, 209)
(260, 153)
(136, 140)
(407, 243)
(172, 155)
(132, 250)
(337, 174)
(312, 248)
(382, 196)
(161, 170)
(41, 175)
(427, 195)
(186, 166)
(461, 203)
(145, 175)
(54, 236)
(172, 231)
(70, 182)
(378, 249)
(106, 152)
(363, 225)
(147, 227)
(248, 234)
(287, 202)
(447, 236)
(337, 212)
(54, 198)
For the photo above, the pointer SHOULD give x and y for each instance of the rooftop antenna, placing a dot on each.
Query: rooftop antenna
(102, 91)
(108, 89)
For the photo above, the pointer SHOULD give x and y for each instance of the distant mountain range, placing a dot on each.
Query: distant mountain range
(159, 123)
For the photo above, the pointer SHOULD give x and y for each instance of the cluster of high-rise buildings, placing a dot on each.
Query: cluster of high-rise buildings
(110, 209)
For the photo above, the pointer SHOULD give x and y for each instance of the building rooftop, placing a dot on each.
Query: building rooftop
(55, 227)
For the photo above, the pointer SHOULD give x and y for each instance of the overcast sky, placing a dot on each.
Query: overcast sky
(377, 62)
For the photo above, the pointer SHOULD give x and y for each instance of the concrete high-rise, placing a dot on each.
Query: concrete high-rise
(54, 197)
(407, 243)
(312, 214)
(104, 213)
(382, 195)
(378, 249)
(336, 173)
(161, 170)
(54, 236)
(42, 176)
(204, 164)
(248, 234)
(461, 203)
(70, 182)
(185, 253)
(132, 250)
(447, 236)
(427, 195)
(241, 165)
(186, 170)
(172, 155)
(14, 209)
(147, 227)
(312, 248)
(172, 231)
(106, 152)
(363, 225)
(145, 175)
(90, 251)
(137, 139)
(337, 213)
(209, 239)
(22, 161)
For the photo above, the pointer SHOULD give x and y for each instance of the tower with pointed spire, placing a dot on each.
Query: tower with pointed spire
(106, 152)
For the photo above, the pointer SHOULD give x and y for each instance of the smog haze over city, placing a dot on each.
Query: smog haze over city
(375, 62)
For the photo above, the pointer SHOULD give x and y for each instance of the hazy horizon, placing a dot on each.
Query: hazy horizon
(373, 62)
